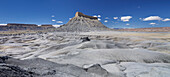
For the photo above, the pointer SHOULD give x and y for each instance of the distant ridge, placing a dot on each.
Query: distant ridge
(17, 26)
(83, 23)
(154, 29)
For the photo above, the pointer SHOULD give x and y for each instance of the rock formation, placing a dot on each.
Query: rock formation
(16, 26)
(153, 29)
(79, 14)
(41, 68)
(46, 25)
(83, 23)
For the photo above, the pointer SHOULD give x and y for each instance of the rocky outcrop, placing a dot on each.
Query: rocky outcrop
(46, 25)
(84, 39)
(42, 68)
(14, 71)
(83, 23)
(79, 14)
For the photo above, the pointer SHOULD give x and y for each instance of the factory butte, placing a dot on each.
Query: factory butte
(83, 23)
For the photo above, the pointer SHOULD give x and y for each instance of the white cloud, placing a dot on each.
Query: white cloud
(127, 24)
(99, 19)
(52, 16)
(152, 23)
(167, 19)
(140, 19)
(3, 24)
(126, 18)
(95, 16)
(115, 18)
(59, 22)
(53, 20)
(99, 16)
(150, 18)
(56, 26)
(70, 18)
(105, 21)
(107, 18)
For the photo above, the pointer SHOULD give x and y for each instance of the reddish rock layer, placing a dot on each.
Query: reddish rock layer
(83, 15)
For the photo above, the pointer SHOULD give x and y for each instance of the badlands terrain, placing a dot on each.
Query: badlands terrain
(86, 54)
(84, 47)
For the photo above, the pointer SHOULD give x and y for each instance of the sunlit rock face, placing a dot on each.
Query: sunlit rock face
(79, 14)
(83, 23)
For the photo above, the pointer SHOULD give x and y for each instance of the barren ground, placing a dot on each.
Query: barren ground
(119, 54)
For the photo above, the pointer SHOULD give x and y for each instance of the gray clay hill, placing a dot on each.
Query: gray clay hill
(83, 23)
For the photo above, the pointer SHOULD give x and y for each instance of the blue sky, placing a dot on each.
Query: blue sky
(127, 13)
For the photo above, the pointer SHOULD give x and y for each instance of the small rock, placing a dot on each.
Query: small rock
(97, 69)
(84, 39)
(3, 58)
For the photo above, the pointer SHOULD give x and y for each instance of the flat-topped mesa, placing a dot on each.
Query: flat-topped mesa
(79, 14)
(16, 24)
(46, 25)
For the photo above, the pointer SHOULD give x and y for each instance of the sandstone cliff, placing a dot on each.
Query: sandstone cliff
(79, 14)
